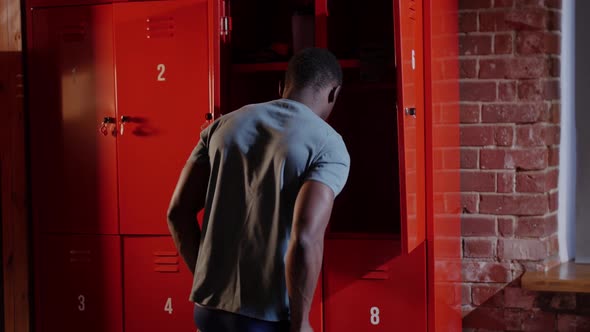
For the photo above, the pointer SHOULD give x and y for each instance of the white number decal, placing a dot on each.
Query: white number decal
(161, 69)
(82, 304)
(375, 316)
(168, 306)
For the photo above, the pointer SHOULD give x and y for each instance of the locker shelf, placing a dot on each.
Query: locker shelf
(282, 66)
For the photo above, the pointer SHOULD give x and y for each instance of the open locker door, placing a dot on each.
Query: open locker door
(408, 27)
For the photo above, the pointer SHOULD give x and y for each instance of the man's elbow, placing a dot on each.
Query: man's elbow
(308, 241)
(175, 215)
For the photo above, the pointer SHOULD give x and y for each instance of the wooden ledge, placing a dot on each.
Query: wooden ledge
(567, 277)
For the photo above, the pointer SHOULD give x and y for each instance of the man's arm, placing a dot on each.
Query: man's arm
(304, 256)
(188, 199)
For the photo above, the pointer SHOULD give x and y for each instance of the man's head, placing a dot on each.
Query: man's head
(314, 77)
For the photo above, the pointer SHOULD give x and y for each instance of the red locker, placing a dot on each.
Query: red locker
(150, 72)
(369, 286)
(80, 286)
(157, 286)
(74, 170)
(378, 222)
(162, 62)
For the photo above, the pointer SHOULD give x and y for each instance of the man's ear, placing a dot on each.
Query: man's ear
(333, 94)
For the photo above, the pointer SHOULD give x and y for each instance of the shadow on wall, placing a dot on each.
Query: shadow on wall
(512, 308)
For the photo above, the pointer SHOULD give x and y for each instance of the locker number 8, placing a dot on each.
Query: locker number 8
(168, 306)
(82, 303)
(161, 70)
(375, 316)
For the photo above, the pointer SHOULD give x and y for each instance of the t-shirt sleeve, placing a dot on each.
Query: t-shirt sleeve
(200, 154)
(331, 166)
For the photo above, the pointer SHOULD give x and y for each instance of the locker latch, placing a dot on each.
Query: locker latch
(411, 111)
(124, 119)
(225, 27)
(104, 126)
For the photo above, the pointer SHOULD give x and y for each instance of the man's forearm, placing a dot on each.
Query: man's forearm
(304, 262)
(186, 235)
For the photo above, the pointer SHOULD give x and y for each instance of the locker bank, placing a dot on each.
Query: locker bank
(118, 93)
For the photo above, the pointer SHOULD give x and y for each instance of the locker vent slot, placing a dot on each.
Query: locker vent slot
(159, 27)
(72, 33)
(80, 256)
(412, 9)
(166, 261)
(378, 273)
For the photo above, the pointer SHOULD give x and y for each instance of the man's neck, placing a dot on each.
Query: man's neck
(306, 98)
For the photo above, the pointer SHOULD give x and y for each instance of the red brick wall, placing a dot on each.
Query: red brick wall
(510, 107)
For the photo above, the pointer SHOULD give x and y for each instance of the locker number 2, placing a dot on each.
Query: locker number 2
(161, 70)
(375, 316)
(168, 306)
(81, 303)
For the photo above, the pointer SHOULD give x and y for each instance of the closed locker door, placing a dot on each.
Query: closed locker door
(72, 121)
(358, 292)
(80, 286)
(157, 286)
(368, 286)
(162, 97)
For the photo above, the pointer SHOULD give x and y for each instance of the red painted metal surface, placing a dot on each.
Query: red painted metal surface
(73, 164)
(157, 286)
(409, 61)
(80, 287)
(316, 315)
(370, 286)
(55, 3)
(163, 91)
(215, 10)
(443, 177)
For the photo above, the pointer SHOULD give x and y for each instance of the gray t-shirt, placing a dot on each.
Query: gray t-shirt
(260, 156)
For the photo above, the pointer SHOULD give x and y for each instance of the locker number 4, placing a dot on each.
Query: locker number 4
(375, 320)
(168, 306)
(161, 70)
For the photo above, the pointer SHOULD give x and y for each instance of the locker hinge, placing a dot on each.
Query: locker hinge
(225, 26)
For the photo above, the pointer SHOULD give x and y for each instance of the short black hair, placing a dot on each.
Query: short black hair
(313, 67)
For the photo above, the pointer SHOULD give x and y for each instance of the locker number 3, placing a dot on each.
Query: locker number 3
(81, 303)
(375, 316)
(168, 306)
(161, 70)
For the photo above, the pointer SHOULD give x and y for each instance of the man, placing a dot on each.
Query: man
(266, 175)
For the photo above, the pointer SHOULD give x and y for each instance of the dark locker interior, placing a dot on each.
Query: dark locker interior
(365, 113)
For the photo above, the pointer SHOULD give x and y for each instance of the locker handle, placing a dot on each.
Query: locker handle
(105, 124)
(124, 119)
(411, 111)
